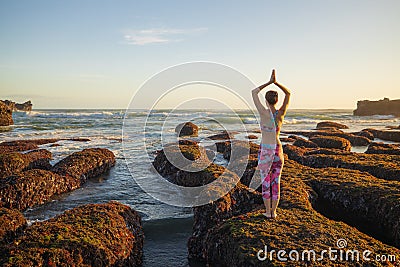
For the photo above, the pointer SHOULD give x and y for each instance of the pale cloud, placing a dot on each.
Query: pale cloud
(159, 35)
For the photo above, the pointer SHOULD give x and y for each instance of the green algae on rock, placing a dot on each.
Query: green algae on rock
(388, 135)
(85, 164)
(302, 142)
(29, 144)
(331, 124)
(14, 162)
(381, 148)
(25, 185)
(34, 187)
(331, 142)
(379, 165)
(12, 224)
(355, 140)
(187, 129)
(235, 241)
(108, 234)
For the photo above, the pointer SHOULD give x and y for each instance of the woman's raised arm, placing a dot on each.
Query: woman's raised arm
(285, 103)
(260, 107)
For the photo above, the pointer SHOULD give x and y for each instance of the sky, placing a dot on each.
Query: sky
(98, 54)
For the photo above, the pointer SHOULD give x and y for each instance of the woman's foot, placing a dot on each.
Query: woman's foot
(268, 215)
(274, 215)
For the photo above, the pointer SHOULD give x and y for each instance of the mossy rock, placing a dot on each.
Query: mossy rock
(228, 232)
(14, 162)
(238, 240)
(331, 124)
(223, 135)
(174, 157)
(24, 145)
(187, 129)
(34, 187)
(12, 224)
(388, 135)
(379, 165)
(301, 142)
(331, 142)
(366, 134)
(85, 164)
(355, 140)
(236, 149)
(381, 148)
(91, 235)
(10, 163)
(235, 241)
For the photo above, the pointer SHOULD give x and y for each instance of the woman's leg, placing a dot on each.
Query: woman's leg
(265, 158)
(276, 172)
(266, 195)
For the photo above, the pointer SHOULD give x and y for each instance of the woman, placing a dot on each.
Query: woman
(269, 152)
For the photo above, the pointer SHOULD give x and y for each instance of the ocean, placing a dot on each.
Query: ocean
(166, 227)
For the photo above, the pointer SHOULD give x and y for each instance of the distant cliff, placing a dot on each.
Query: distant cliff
(380, 107)
(27, 106)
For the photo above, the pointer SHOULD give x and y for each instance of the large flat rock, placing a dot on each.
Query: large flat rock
(108, 234)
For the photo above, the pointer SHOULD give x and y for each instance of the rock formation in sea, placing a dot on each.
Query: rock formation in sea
(85, 164)
(380, 107)
(388, 135)
(27, 179)
(108, 234)
(26, 106)
(355, 139)
(187, 129)
(331, 124)
(5, 115)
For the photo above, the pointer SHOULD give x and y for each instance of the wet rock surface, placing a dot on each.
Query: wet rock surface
(30, 144)
(252, 136)
(224, 135)
(331, 124)
(388, 135)
(381, 148)
(85, 164)
(379, 165)
(34, 187)
(302, 142)
(331, 142)
(108, 234)
(27, 179)
(14, 162)
(355, 140)
(12, 224)
(187, 129)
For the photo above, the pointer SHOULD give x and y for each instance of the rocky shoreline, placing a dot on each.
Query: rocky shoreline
(108, 234)
(90, 235)
(328, 193)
